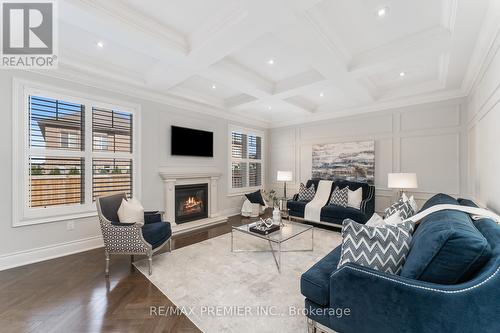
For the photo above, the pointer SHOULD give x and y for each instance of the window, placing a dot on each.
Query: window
(70, 150)
(246, 160)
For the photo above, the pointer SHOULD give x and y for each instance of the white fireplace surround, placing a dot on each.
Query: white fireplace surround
(173, 176)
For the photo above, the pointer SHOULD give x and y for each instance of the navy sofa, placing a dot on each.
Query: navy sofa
(333, 214)
(448, 247)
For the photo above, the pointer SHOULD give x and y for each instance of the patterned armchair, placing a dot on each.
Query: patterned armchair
(129, 238)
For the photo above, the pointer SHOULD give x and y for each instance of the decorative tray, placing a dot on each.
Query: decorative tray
(264, 230)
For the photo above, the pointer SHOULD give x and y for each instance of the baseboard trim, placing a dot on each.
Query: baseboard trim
(31, 256)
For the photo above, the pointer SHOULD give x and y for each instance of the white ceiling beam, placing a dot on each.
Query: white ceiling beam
(234, 75)
(238, 26)
(118, 24)
(309, 42)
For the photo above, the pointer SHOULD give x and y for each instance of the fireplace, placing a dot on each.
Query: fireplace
(191, 202)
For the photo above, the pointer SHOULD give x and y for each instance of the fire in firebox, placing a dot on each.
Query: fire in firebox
(192, 205)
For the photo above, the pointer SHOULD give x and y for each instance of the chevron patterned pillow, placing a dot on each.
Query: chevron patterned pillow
(340, 197)
(404, 208)
(380, 248)
(306, 193)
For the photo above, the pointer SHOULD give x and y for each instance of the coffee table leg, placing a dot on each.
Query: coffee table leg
(279, 257)
(232, 246)
(312, 239)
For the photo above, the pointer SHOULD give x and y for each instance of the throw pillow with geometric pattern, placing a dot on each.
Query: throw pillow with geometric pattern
(404, 208)
(306, 193)
(340, 197)
(381, 248)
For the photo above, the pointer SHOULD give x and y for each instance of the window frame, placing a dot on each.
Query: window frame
(249, 132)
(22, 213)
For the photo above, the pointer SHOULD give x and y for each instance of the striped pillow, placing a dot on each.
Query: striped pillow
(306, 193)
(340, 197)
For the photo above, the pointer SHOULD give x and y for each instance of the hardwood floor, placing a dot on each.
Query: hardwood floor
(71, 294)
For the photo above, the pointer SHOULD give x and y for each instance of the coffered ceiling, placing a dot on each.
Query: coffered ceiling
(273, 62)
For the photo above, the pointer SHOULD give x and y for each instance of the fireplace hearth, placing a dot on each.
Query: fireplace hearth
(191, 202)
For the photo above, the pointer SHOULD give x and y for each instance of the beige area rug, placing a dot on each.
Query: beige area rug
(221, 291)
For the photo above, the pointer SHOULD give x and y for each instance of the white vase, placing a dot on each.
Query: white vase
(276, 215)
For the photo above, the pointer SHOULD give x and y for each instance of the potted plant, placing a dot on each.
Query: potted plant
(271, 196)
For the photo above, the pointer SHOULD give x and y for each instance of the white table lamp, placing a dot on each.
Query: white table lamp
(284, 176)
(402, 181)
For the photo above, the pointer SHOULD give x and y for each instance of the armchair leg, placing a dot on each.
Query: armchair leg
(107, 264)
(150, 261)
(311, 326)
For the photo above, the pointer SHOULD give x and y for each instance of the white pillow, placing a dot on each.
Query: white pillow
(411, 200)
(393, 219)
(354, 198)
(375, 221)
(413, 204)
(131, 212)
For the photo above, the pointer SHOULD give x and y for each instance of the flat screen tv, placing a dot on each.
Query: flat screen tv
(192, 142)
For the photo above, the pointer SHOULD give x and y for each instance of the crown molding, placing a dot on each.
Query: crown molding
(86, 63)
(75, 75)
(374, 107)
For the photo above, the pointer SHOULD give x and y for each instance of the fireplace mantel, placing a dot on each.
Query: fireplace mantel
(168, 173)
(183, 175)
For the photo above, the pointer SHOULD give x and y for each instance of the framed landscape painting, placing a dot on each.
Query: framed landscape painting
(354, 161)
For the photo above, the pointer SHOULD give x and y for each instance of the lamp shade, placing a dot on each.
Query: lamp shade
(284, 176)
(402, 180)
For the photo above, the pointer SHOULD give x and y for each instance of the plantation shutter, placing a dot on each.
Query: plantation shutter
(112, 136)
(246, 160)
(55, 159)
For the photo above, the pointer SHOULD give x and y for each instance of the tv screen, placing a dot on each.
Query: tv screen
(192, 142)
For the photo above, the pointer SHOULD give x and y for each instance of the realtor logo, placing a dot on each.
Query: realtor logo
(28, 34)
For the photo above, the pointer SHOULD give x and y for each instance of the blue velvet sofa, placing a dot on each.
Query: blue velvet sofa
(449, 247)
(333, 214)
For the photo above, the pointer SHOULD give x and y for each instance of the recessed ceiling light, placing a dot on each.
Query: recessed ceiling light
(402, 74)
(321, 94)
(214, 86)
(269, 107)
(381, 12)
(270, 62)
(100, 44)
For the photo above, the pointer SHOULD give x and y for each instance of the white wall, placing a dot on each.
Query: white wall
(483, 131)
(426, 139)
(30, 243)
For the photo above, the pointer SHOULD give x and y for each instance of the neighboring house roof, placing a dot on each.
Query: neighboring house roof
(118, 124)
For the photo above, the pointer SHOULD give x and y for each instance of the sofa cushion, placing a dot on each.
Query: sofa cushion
(297, 208)
(446, 247)
(315, 283)
(156, 233)
(340, 213)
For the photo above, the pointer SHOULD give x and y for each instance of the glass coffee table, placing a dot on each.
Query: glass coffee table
(288, 231)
